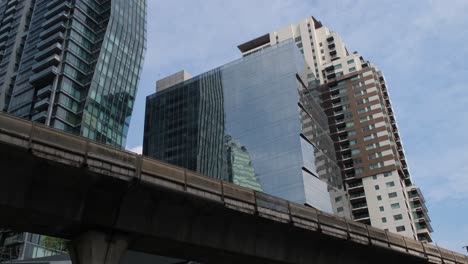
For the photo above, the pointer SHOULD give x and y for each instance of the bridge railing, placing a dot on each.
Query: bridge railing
(65, 148)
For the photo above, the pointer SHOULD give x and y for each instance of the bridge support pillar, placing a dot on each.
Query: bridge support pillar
(97, 248)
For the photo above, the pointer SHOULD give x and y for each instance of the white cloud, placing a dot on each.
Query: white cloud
(138, 149)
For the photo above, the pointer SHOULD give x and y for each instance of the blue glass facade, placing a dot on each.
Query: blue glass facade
(259, 107)
(80, 67)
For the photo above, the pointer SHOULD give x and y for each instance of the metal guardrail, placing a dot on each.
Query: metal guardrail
(65, 148)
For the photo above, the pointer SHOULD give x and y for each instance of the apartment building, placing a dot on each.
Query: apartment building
(355, 97)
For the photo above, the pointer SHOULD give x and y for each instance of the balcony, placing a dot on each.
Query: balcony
(333, 53)
(58, 37)
(44, 77)
(345, 157)
(357, 196)
(5, 28)
(44, 92)
(57, 9)
(342, 138)
(331, 46)
(63, 16)
(340, 129)
(355, 186)
(10, 11)
(363, 218)
(350, 176)
(339, 112)
(4, 36)
(53, 60)
(344, 146)
(40, 117)
(52, 30)
(41, 105)
(55, 49)
(12, 2)
(330, 68)
(8, 19)
(359, 206)
(331, 76)
(339, 121)
(330, 39)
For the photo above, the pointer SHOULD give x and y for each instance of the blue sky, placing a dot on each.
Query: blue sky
(421, 46)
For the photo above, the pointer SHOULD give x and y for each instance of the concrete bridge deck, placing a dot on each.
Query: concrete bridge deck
(61, 185)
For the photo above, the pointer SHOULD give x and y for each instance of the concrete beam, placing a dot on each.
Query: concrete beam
(98, 248)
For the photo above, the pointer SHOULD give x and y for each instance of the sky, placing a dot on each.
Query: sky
(420, 45)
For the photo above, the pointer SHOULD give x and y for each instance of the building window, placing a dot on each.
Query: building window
(352, 69)
(390, 184)
(392, 195)
(400, 228)
(349, 124)
(395, 206)
(369, 127)
(350, 61)
(374, 177)
(339, 209)
(358, 171)
(384, 220)
(323, 57)
(376, 166)
(355, 151)
(386, 174)
(375, 155)
(377, 187)
(348, 115)
(320, 44)
(372, 146)
(351, 133)
(342, 91)
(381, 208)
(398, 217)
(352, 142)
(379, 198)
(338, 66)
(339, 198)
(321, 51)
(357, 161)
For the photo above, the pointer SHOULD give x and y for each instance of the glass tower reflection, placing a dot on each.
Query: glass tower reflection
(80, 66)
(251, 122)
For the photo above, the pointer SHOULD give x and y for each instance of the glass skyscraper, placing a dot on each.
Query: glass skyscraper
(80, 66)
(73, 65)
(251, 122)
(15, 17)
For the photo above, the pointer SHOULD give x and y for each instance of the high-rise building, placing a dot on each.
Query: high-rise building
(73, 65)
(15, 17)
(80, 66)
(355, 97)
(252, 122)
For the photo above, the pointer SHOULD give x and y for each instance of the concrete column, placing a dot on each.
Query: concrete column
(97, 248)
